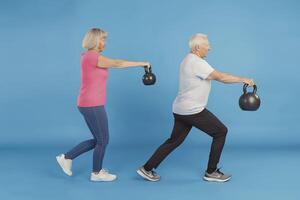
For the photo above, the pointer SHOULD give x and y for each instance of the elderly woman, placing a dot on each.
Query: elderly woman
(91, 103)
(189, 110)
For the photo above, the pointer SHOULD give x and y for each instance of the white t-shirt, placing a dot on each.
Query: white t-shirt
(194, 89)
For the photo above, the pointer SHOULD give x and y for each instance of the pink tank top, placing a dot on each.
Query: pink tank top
(93, 81)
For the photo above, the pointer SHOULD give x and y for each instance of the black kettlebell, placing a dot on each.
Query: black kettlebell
(249, 100)
(149, 78)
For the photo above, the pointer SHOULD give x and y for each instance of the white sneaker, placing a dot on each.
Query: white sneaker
(65, 164)
(103, 175)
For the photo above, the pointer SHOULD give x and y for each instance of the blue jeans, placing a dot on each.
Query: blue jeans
(96, 120)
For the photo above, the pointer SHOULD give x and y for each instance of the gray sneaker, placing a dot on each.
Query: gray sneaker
(217, 176)
(149, 175)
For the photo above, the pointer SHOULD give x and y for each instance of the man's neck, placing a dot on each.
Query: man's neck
(196, 53)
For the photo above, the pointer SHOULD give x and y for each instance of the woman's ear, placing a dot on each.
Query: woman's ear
(101, 45)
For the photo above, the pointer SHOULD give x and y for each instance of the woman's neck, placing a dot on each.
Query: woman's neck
(94, 50)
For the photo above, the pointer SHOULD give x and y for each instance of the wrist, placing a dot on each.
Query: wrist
(242, 80)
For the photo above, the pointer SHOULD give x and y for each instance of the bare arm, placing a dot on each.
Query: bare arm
(106, 62)
(228, 78)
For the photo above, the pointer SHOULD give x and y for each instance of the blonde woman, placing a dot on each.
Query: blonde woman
(91, 103)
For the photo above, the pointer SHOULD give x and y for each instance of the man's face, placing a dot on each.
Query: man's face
(203, 49)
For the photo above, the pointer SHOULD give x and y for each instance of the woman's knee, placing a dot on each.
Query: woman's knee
(93, 142)
(101, 142)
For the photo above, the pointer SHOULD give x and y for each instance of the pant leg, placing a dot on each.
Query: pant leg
(102, 138)
(210, 124)
(97, 121)
(80, 149)
(85, 145)
(179, 133)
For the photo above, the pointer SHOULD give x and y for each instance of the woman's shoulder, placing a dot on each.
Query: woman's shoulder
(90, 55)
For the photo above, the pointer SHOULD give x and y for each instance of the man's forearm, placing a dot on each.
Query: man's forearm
(228, 78)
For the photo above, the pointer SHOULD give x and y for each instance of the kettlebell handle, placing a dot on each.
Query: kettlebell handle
(245, 88)
(148, 69)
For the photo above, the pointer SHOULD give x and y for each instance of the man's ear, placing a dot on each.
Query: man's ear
(197, 47)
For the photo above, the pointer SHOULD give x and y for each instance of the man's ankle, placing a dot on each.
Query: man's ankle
(210, 170)
(147, 168)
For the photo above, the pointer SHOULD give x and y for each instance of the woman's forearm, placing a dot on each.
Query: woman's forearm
(118, 63)
(125, 63)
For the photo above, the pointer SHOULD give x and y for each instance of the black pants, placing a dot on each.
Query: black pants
(206, 122)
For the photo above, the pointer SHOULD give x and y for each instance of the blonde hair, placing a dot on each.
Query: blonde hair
(92, 38)
(197, 40)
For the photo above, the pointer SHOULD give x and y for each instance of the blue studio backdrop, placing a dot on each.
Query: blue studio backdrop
(40, 47)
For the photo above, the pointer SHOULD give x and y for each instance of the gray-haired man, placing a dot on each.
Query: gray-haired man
(189, 110)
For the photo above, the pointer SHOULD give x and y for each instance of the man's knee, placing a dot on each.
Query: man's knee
(223, 131)
(174, 142)
(220, 132)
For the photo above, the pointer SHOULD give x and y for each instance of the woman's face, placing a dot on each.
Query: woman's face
(102, 44)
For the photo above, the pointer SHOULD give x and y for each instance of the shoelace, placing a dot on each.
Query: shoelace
(153, 173)
(218, 171)
(104, 170)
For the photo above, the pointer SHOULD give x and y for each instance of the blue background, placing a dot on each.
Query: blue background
(40, 79)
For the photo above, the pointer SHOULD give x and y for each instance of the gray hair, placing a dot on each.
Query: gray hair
(92, 38)
(197, 40)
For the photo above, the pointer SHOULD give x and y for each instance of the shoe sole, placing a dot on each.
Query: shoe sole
(61, 166)
(102, 180)
(142, 174)
(215, 180)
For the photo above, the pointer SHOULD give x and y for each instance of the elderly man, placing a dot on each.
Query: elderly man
(189, 110)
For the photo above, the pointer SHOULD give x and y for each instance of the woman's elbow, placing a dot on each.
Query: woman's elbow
(119, 63)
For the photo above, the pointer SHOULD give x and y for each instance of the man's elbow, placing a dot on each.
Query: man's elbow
(217, 76)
